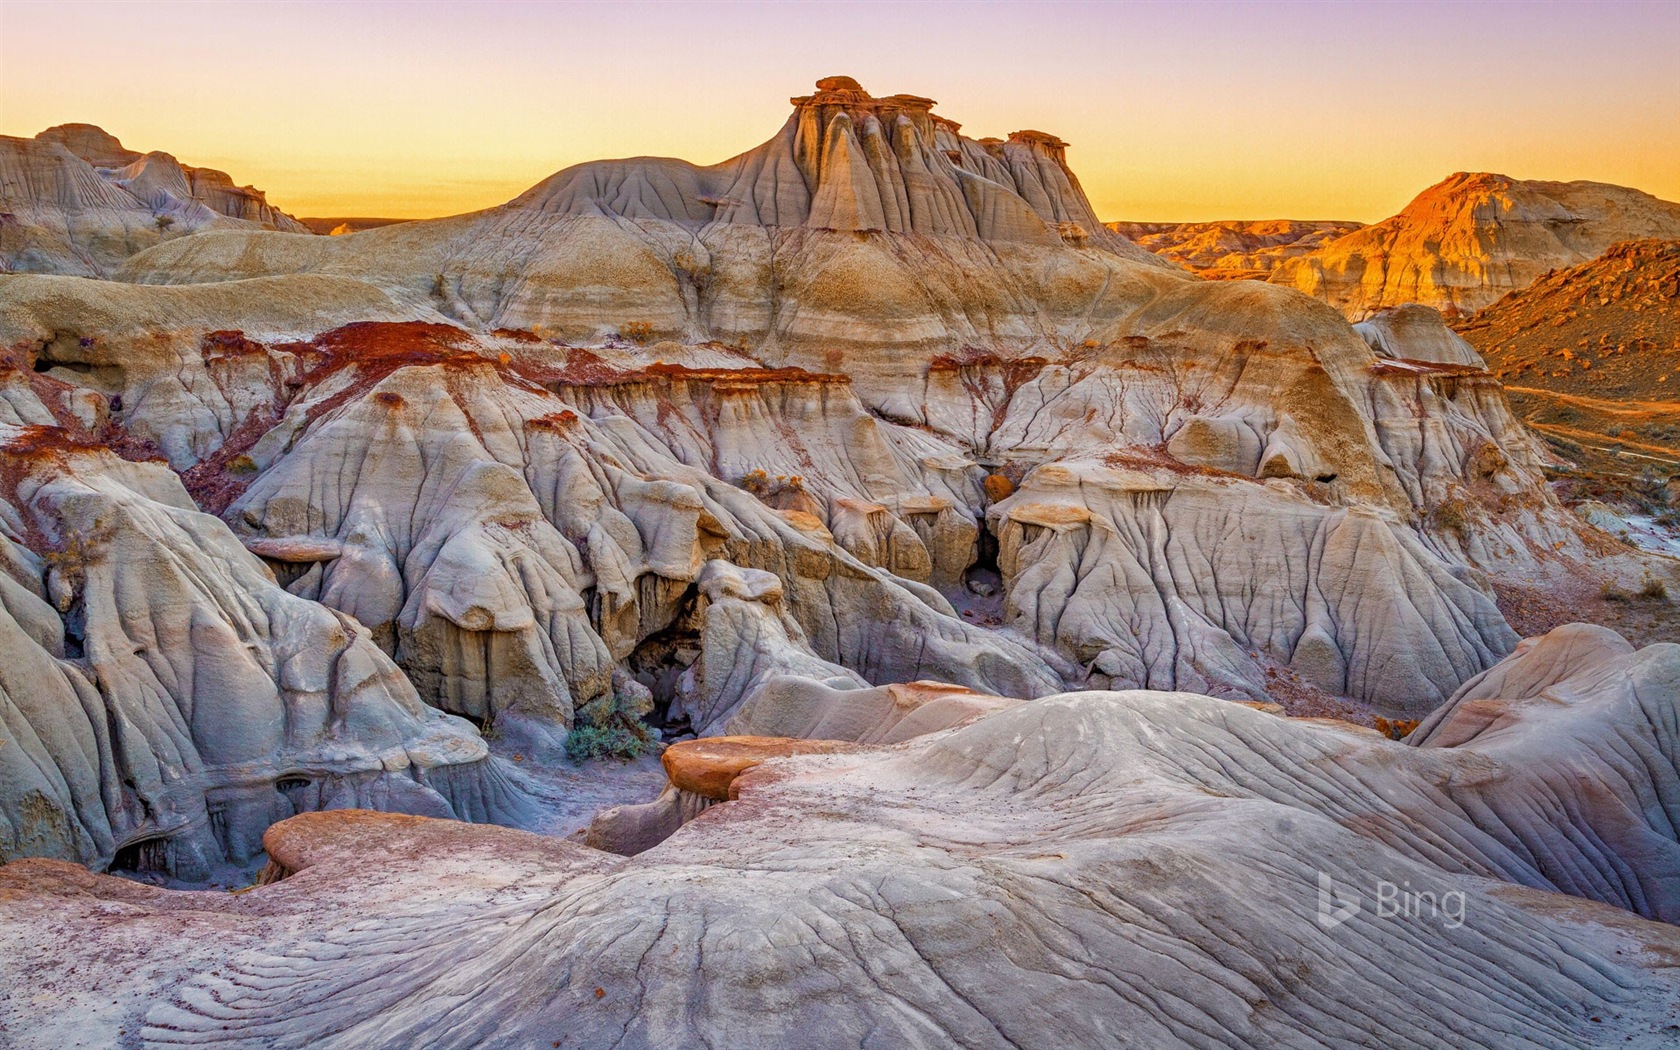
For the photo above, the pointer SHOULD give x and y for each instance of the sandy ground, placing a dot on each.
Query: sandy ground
(568, 796)
(571, 794)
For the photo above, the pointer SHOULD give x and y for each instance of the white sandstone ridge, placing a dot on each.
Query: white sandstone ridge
(846, 160)
(1041, 876)
(162, 700)
(74, 201)
(865, 222)
(1468, 240)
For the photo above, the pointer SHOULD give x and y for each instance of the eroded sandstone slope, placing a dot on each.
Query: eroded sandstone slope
(1094, 869)
(1590, 354)
(74, 201)
(1466, 241)
(162, 700)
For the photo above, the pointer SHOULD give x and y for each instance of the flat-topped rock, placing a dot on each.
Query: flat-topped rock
(708, 767)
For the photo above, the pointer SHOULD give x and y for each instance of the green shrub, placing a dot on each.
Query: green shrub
(622, 742)
(611, 725)
(1450, 514)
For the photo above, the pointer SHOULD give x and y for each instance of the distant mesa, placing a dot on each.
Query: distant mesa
(1233, 249)
(338, 226)
(76, 201)
(1466, 241)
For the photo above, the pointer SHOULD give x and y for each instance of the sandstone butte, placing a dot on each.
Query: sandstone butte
(74, 201)
(1468, 240)
(1028, 600)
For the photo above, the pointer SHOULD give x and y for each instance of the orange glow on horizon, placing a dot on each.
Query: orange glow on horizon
(1175, 113)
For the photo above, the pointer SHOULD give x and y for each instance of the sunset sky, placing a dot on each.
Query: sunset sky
(1175, 111)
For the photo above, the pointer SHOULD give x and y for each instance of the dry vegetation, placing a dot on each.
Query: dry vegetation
(1590, 355)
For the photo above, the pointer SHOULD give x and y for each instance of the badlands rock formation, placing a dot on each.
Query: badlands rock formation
(1232, 249)
(162, 700)
(1591, 354)
(512, 519)
(1470, 239)
(835, 456)
(74, 201)
(1210, 482)
(866, 225)
(1092, 869)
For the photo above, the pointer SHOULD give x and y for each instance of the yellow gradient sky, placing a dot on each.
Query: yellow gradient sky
(1175, 111)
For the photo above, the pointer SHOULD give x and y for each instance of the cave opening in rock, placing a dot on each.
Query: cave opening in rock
(980, 599)
(44, 364)
(144, 855)
(75, 632)
(661, 660)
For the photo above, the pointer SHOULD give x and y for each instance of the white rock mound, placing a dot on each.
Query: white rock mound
(162, 700)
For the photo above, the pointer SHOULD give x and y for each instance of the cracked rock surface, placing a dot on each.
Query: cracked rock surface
(1100, 868)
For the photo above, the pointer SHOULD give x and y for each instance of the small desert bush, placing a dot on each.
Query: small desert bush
(761, 484)
(611, 725)
(1396, 728)
(1612, 593)
(1450, 514)
(621, 742)
(1653, 590)
(636, 331)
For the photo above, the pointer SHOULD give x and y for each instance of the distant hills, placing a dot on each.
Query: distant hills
(1590, 354)
(1458, 246)
(1233, 249)
(74, 200)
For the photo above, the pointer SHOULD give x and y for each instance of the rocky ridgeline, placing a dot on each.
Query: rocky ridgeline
(851, 455)
(1232, 249)
(74, 201)
(1472, 238)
